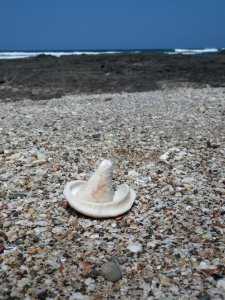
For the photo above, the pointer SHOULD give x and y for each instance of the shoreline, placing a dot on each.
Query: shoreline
(45, 77)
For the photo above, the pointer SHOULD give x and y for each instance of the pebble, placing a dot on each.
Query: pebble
(221, 284)
(41, 293)
(7, 224)
(204, 297)
(40, 223)
(111, 271)
(134, 247)
(1, 149)
(79, 296)
(89, 281)
(2, 248)
(115, 260)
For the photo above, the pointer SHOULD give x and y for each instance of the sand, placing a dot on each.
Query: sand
(168, 145)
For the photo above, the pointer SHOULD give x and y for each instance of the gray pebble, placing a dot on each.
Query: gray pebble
(204, 297)
(115, 260)
(7, 224)
(111, 271)
(1, 149)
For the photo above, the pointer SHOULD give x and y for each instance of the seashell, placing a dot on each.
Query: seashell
(96, 198)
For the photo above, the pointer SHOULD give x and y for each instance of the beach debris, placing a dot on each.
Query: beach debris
(204, 297)
(41, 293)
(2, 248)
(96, 198)
(115, 260)
(175, 153)
(134, 247)
(9, 249)
(111, 271)
(79, 296)
(221, 284)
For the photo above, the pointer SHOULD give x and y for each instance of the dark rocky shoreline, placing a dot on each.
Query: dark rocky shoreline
(46, 77)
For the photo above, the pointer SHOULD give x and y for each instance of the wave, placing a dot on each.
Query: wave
(27, 54)
(196, 51)
(16, 55)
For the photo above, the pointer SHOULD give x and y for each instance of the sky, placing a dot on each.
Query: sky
(111, 24)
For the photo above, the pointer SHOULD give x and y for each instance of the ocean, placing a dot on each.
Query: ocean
(25, 54)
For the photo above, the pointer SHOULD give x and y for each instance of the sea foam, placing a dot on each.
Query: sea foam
(26, 54)
(196, 51)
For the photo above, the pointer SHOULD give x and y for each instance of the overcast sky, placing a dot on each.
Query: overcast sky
(111, 24)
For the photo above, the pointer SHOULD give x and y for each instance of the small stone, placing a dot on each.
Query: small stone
(15, 156)
(221, 284)
(96, 136)
(4, 206)
(41, 294)
(115, 260)
(89, 281)
(180, 155)
(1, 149)
(33, 250)
(79, 296)
(111, 271)
(19, 241)
(40, 223)
(199, 230)
(134, 247)
(133, 174)
(64, 204)
(41, 162)
(3, 237)
(207, 236)
(2, 248)
(187, 180)
(35, 239)
(7, 224)
(93, 274)
(217, 276)
(204, 297)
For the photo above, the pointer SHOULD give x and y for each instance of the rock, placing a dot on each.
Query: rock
(221, 52)
(111, 271)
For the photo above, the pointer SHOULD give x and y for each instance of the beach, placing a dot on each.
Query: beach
(161, 120)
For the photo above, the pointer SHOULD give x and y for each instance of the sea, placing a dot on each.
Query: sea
(58, 53)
